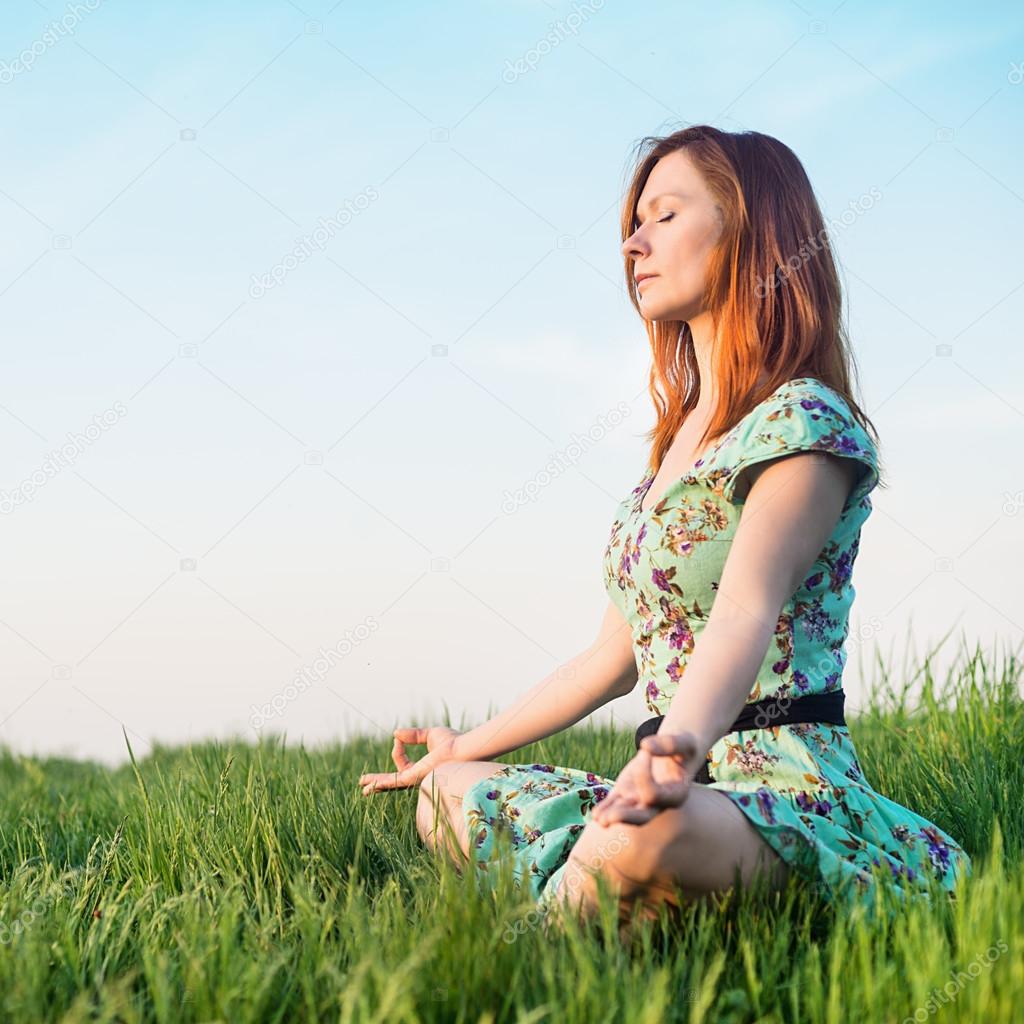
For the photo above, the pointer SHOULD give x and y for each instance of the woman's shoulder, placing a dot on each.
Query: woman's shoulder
(803, 406)
(803, 414)
(812, 393)
(812, 405)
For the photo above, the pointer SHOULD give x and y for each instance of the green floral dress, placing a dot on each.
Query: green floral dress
(800, 785)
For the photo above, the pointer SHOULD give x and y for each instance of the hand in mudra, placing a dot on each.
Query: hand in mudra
(658, 777)
(440, 743)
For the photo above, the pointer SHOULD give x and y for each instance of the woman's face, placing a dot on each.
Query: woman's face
(680, 225)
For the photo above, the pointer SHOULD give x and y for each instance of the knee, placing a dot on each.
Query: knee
(661, 842)
(428, 786)
(627, 857)
(434, 784)
(435, 793)
(609, 852)
(429, 808)
(438, 780)
(632, 856)
(602, 856)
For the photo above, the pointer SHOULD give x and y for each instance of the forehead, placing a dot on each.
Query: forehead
(674, 172)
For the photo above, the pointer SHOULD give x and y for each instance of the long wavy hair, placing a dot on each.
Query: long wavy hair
(772, 287)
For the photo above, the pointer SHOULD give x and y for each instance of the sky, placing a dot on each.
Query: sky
(297, 298)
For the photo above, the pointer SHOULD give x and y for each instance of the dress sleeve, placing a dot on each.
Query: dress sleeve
(806, 417)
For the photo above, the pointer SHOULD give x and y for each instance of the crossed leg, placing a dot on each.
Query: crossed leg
(697, 849)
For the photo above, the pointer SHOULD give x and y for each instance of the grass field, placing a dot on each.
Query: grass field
(231, 882)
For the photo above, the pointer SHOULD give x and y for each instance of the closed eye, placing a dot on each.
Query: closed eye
(637, 225)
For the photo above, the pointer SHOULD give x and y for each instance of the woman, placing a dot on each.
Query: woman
(729, 575)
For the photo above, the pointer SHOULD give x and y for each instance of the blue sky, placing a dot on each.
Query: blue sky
(321, 463)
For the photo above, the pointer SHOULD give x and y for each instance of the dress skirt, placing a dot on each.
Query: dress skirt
(799, 785)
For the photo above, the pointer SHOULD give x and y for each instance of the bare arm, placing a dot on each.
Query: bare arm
(792, 508)
(604, 671)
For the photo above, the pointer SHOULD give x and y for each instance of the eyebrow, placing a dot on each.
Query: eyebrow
(654, 199)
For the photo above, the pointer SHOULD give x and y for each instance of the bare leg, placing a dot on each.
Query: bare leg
(439, 817)
(698, 848)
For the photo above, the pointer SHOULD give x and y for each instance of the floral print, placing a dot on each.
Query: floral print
(801, 786)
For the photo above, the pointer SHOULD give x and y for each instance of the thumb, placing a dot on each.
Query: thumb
(672, 743)
(411, 735)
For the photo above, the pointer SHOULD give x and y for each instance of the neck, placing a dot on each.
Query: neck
(702, 331)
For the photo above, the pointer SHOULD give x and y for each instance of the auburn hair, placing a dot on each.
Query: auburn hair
(772, 286)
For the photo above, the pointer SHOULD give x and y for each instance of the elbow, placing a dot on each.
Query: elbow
(626, 684)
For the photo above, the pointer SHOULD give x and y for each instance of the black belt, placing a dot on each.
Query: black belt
(765, 714)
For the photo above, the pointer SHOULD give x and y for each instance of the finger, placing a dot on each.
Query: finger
(399, 756)
(379, 777)
(385, 780)
(682, 743)
(624, 788)
(601, 809)
(645, 787)
(630, 815)
(403, 736)
(411, 735)
(368, 783)
(605, 810)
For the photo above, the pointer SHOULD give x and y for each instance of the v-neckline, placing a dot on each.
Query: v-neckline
(641, 511)
(710, 451)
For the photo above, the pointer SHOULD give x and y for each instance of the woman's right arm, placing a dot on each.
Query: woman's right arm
(604, 671)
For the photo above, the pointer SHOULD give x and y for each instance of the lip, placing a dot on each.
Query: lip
(641, 278)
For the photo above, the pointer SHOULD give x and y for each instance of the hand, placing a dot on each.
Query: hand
(659, 776)
(440, 743)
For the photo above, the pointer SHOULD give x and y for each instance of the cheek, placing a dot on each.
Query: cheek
(685, 258)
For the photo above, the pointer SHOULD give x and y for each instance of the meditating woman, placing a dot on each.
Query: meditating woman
(728, 570)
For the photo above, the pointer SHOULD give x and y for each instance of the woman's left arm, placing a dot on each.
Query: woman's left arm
(792, 507)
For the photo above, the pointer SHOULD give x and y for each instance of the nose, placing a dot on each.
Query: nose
(635, 246)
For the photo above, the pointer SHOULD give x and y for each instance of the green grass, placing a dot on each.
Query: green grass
(231, 882)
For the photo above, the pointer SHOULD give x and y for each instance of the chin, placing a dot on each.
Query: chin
(675, 310)
(660, 311)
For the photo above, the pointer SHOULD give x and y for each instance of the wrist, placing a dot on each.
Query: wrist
(460, 751)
